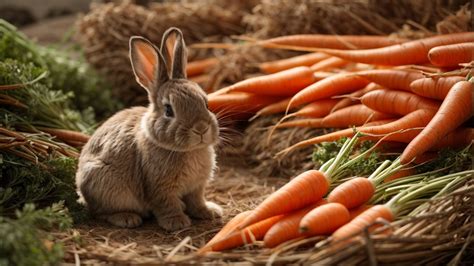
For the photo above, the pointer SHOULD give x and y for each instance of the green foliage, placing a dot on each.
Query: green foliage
(327, 150)
(23, 241)
(23, 182)
(45, 107)
(451, 160)
(87, 91)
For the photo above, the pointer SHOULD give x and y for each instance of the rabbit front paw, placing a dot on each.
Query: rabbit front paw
(174, 222)
(207, 212)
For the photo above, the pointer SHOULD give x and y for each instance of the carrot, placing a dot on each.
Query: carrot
(455, 139)
(303, 122)
(396, 79)
(326, 88)
(434, 88)
(239, 102)
(455, 109)
(307, 188)
(324, 219)
(353, 193)
(287, 228)
(66, 135)
(356, 211)
(413, 52)
(310, 187)
(436, 187)
(354, 115)
(397, 102)
(359, 190)
(200, 79)
(332, 41)
(419, 118)
(452, 55)
(320, 75)
(363, 220)
(274, 108)
(284, 83)
(350, 100)
(253, 232)
(195, 68)
(287, 63)
(329, 63)
(316, 109)
(229, 227)
(400, 174)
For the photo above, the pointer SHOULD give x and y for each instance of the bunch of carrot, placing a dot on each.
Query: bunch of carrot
(197, 71)
(330, 88)
(300, 209)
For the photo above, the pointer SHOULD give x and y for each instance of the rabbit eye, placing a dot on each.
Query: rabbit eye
(168, 110)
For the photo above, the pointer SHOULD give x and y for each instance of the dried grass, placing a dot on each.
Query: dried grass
(276, 18)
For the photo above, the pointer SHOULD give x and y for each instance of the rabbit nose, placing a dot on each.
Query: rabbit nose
(200, 128)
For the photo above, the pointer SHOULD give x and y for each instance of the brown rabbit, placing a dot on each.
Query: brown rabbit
(157, 159)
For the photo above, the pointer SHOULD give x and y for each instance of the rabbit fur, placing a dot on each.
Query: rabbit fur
(156, 159)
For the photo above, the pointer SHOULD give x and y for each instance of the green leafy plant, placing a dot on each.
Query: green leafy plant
(23, 239)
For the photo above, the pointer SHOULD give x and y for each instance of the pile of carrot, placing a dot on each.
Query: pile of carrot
(306, 206)
(399, 85)
(416, 93)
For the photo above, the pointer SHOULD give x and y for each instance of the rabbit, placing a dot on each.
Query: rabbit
(156, 159)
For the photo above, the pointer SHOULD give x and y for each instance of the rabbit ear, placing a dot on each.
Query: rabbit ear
(148, 64)
(175, 53)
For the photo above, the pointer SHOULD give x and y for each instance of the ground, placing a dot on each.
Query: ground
(235, 188)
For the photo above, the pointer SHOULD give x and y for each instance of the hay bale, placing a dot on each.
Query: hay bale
(104, 34)
(276, 18)
(261, 155)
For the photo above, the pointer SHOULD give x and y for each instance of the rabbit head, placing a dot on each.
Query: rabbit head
(177, 118)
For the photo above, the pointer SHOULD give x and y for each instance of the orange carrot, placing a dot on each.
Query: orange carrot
(353, 192)
(200, 66)
(350, 100)
(229, 227)
(309, 186)
(324, 219)
(239, 102)
(253, 232)
(356, 211)
(455, 139)
(316, 109)
(396, 79)
(287, 63)
(200, 79)
(434, 88)
(284, 83)
(455, 109)
(413, 52)
(332, 41)
(419, 118)
(363, 220)
(329, 63)
(354, 115)
(397, 102)
(320, 75)
(274, 108)
(333, 136)
(65, 134)
(326, 88)
(452, 55)
(287, 228)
